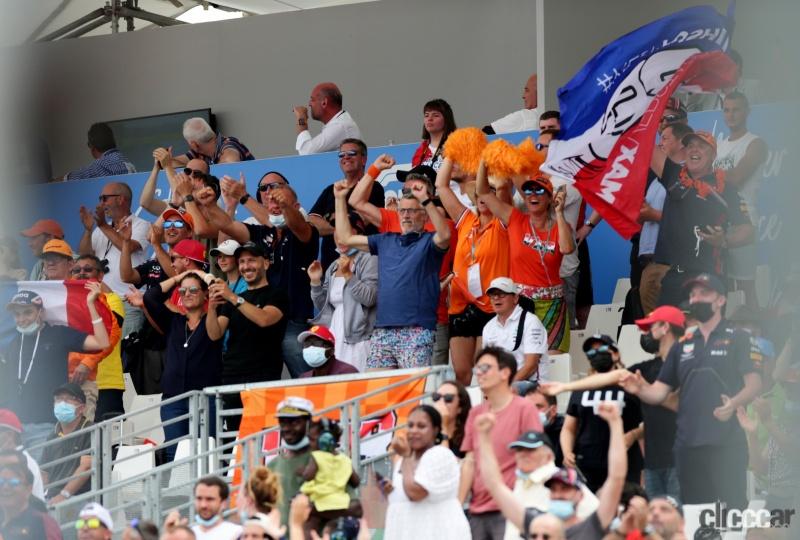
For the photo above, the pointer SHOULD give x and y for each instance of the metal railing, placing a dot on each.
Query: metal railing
(152, 493)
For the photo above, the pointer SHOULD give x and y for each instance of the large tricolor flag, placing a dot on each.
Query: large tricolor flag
(611, 109)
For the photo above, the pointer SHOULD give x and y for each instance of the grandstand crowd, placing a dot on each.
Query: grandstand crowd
(465, 266)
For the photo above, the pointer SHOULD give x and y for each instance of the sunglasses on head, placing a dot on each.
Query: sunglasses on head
(104, 198)
(176, 224)
(183, 291)
(532, 188)
(91, 523)
(348, 153)
(82, 270)
(194, 173)
(11, 482)
(448, 398)
(602, 348)
(541, 146)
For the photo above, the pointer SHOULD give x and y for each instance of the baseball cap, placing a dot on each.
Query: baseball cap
(319, 331)
(603, 339)
(503, 284)
(72, 389)
(25, 298)
(9, 420)
(709, 281)
(531, 440)
(186, 217)
(294, 407)
(704, 136)
(567, 477)
(538, 181)
(228, 247)
(252, 248)
(44, 226)
(423, 170)
(669, 314)
(191, 249)
(56, 245)
(96, 510)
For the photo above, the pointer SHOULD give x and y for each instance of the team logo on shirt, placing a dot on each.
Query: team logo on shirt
(687, 353)
(536, 244)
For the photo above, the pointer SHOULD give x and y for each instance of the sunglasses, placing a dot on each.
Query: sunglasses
(404, 211)
(266, 187)
(194, 173)
(536, 536)
(348, 153)
(176, 224)
(104, 198)
(532, 188)
(448, 398)
(183, 291)
(480, 369)
(82, 270)
(593, 352)
(91, 523)
(540, 146)
(11, 482)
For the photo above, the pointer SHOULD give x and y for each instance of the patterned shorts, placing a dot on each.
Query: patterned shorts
(400, 348)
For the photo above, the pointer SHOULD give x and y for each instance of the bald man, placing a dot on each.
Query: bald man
(325, 105)
(525, 119)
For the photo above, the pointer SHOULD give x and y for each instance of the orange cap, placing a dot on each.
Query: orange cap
(186, 217)
(57, 245)
(44, 226)
(704, 136)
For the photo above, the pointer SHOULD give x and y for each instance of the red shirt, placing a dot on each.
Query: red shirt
(535, 255)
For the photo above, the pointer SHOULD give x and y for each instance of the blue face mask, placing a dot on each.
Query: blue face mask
(543, 418)
(277, 221)
(561, 509)
(314, 356)
(64, 412)
(206, 522)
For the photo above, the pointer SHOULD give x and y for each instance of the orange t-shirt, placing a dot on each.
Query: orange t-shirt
(489, 249)
(390, 222)
(535, 255)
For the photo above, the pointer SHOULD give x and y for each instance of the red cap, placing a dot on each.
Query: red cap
(9, 420)
(186, 217)
(191, 249)
(319, 331)
(669, 314)
(44, 226)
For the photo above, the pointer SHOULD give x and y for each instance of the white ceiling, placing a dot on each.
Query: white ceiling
(35, 19)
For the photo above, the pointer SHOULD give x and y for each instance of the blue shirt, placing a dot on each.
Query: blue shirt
(408, 279)
(111, 163)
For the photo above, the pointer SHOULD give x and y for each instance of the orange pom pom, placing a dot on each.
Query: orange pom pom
(502, 159)
(464, 146)
(531, 158)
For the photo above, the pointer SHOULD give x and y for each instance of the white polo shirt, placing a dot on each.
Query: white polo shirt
(534, 338)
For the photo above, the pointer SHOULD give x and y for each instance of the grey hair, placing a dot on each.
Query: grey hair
(197, 130)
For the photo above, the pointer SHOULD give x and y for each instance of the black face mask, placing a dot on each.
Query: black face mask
(701, 311)
(602, 362)
(648, 343)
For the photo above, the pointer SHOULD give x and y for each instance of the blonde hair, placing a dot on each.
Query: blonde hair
(264, 488)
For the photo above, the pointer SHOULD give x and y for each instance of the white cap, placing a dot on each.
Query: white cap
(228, 247)
(294, 407)
(95, 510)
(503, 284)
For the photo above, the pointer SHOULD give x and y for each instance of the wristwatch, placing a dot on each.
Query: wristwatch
(589, 224)
(426, 202)
(188, 198)
(66, 494)
(239, 301)
(244, 199)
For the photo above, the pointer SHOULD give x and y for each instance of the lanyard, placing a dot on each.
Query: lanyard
(543, 246)
(33, 355)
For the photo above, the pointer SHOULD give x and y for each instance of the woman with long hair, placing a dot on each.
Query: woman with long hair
(423, 502)
(437, 124)
(452, 401)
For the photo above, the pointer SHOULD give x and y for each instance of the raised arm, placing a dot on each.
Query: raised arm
(512, 509)
(294, 218)
(611, 491)
(127, 272)
(147, 199)
(216, 324)
(592, 382)
(195, 202)
(234, 191)
(442, 236)
(99, 340)
(652, 394)
(359, 199)
(451, 203)
(343, 231)
(237, 230)
(657, 161)
(500, 209)
(566, 242)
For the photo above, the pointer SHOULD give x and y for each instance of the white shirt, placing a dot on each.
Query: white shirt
(534, 338)
(104, 249)
(521, 120)
(224, 531)
(340, 127)
(38, 485)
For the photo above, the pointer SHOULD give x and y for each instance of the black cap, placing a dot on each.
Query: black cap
(250, 247)
(603, 339)
(709, 281)
(423, 170)
(531, 440)
(72, 389)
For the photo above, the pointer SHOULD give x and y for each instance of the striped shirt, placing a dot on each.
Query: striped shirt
(223, 143)
(111, 163)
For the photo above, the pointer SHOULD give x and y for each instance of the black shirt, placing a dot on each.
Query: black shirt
(591, 442)
(289, 259)
(254, 353)
(553, 430)
(325, 207)
(684, 211)
(703, 372)
(31, 524)
(151, 274)
(62, 472)
(193, 360)
(659, 422)
(29, 394)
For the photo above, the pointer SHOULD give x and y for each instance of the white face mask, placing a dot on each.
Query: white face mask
(543, 418)
(277, 221)
(28, 330)
(314, 356)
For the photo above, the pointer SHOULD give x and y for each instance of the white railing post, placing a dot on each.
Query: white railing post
(355, 431)
(346, 427)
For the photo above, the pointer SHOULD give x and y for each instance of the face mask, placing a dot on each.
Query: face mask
(206, 522)
(543, 418)
(648, 343)
(701, 311)
(561, 509)
(314, 356)
(521, 475)
(347, 251)
(602, 362)
(28, 330)
(302, 443)
(64, 412)
(277, 221)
